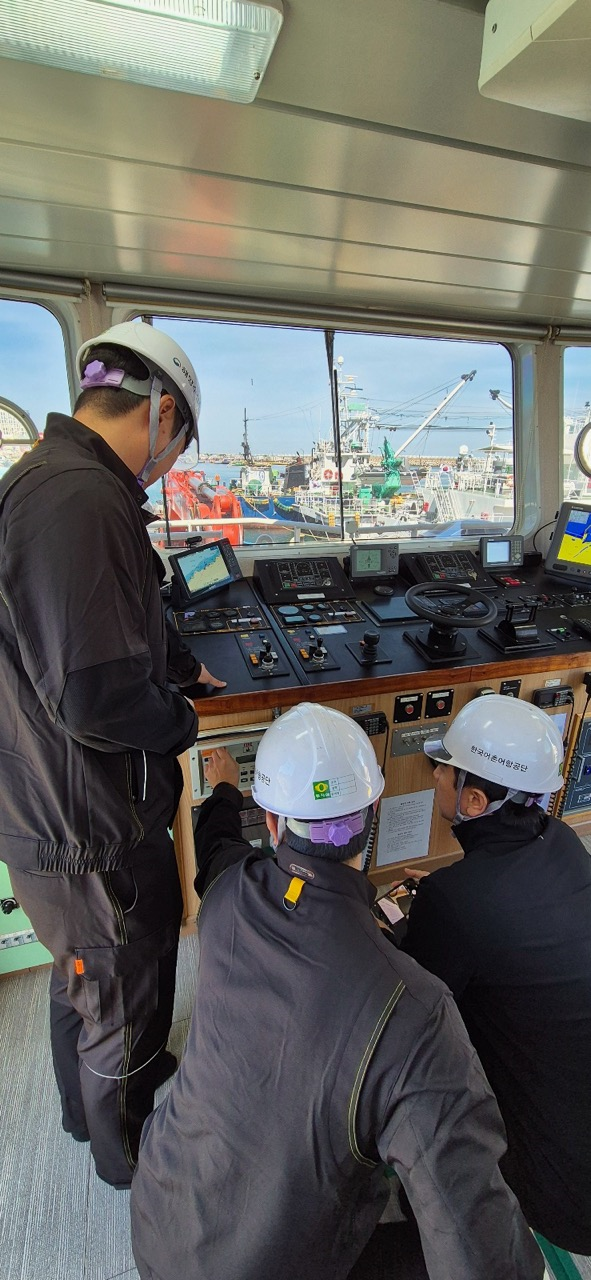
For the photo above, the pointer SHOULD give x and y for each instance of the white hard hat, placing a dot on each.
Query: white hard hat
(314, 763)
(164, 359)
(504, 740)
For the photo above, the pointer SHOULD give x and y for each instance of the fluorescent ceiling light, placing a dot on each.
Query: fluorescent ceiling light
(219, 48)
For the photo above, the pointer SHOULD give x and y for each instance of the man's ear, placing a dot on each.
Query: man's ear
(166, 408)
(474, 803)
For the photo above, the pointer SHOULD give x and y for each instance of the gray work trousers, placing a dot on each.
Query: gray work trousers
(113, 936)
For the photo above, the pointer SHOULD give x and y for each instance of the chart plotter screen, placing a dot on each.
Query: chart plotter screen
(574, 546)
(202, 571)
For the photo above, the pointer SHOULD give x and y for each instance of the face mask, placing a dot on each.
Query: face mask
(144, 475)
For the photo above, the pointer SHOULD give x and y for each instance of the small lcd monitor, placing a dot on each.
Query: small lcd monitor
(569, 556)
(201, 571)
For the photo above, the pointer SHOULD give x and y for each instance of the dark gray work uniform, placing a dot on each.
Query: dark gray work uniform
(89, 735)
(508, 928)
(317, 1056)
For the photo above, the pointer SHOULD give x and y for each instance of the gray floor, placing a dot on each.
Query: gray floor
(57, 1220)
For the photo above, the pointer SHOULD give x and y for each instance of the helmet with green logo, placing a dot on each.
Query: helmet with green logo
(314, 764)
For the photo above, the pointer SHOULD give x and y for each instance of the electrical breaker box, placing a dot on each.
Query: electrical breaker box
(242, 746)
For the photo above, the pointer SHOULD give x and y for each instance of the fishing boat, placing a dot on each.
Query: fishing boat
(381, 489)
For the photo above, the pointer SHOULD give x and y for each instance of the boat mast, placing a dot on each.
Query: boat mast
(466, 377)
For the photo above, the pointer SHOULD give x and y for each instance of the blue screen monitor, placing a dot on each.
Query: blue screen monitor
(569, 556)
(201, 571)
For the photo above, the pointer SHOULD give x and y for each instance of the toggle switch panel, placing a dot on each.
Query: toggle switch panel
(410, 742)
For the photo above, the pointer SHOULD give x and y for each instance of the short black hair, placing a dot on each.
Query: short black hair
(117, 402)
(510, 812)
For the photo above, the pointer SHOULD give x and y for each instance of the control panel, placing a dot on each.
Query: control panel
(408, 706)
(577, 789)
(263, 657)
(243, 748)
(308, 624)
(311, 649)
(301, 580)
(202, 621)
(446, 566)
(438, 702)
(231, 633)
(337, 612)
(410, 742)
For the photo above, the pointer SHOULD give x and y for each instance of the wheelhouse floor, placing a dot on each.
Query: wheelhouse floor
(58, 1221)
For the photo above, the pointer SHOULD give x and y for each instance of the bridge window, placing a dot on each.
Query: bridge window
(34, 379)
(425, 443)
(577, 413)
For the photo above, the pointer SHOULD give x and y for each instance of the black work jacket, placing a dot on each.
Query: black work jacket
(89, 731)
(508, 928)
(317, 1055)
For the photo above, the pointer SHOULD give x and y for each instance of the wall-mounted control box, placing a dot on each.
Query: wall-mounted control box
(373, 723)
(243, 748)
(408, 706)
(510, 688)
(438, 702)
(410, 742)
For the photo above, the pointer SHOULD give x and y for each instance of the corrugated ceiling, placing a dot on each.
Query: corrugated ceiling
(369, 171)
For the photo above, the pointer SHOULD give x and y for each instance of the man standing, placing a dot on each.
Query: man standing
(90, 731)
(508, 928)
(318, 1054)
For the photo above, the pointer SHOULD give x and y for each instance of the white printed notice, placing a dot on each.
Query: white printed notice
(405, 823)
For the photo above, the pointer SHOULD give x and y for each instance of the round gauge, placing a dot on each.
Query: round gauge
(582, 449)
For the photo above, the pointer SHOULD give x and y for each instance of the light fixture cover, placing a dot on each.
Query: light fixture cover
(218, 48)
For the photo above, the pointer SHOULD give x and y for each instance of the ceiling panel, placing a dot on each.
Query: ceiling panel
(369, 170)
(186, 240)
(317, 158)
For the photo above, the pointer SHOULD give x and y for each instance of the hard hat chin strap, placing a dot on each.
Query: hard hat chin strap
(521, 797)
(349, 833)
(154, 458)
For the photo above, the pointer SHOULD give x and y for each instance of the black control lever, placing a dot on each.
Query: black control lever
(519, 624)
(316, 649)
(370, 642)
(266, 656)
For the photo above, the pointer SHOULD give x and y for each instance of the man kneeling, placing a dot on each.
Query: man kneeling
(508, 928)
(318, 1054)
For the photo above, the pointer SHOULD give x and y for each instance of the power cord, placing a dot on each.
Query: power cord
(374, 826)
(541, 528)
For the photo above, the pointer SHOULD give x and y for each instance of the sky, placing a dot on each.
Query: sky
(281, 378)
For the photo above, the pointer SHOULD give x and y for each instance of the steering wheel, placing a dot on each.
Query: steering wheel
(428, 600)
